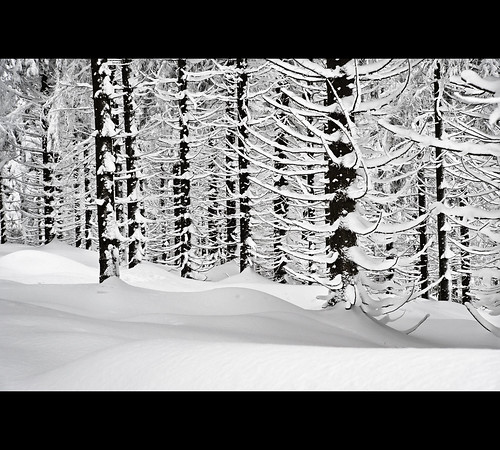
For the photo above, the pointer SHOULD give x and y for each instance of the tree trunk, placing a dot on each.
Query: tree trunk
(464, 258)
(338, 179)
(48, 156)
(212, 210)
(242, 104)
(87, 200)
(134, 248)
(164, 231)
(105, 168)
(422, 233)
(309, 211)
(117, 152)
(444, 285)
(79, 206)
(184, 181)
(280, 204)
(230, 184)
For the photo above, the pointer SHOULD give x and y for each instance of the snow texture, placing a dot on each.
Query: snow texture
(152, 330)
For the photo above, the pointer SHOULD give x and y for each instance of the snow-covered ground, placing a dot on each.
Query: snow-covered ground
(152, 330)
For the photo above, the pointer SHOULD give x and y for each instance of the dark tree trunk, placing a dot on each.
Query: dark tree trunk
(134, 248)
(280, 204)
(79, 173)
(444, 285)
(309, 211)
(177, 209)
(464, 259)
(241, 105)
(87, 200)
(338, 179)
(163, 195)
(422, 233)
(230, 187)
(212, 209)
(106, 216)
(48, 155)
(184, 181)
(117, 152)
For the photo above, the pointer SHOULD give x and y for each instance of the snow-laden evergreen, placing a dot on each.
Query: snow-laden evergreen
(374, 181)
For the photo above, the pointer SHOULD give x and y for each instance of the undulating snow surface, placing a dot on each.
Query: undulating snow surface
(152, 330)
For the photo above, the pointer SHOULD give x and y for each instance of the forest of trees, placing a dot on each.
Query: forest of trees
(377, 178)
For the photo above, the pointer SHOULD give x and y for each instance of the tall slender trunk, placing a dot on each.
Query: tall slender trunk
(134, 247)
(309, 211)
(212, 210)
(444, 285)
(87, 200)
(105, 168)
(77, 185)
(464, 259)
(48, 155)
(230, 184)
(184, 180)
(280, 203)
(422, 233)
(338, 179)
(117, 152)
(244, 183)
(163, 226)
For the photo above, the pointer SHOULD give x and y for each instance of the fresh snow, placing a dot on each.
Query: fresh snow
(152, 330)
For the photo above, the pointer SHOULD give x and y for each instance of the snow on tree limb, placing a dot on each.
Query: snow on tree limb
(467, 212)
(359, 256)
(465, 148)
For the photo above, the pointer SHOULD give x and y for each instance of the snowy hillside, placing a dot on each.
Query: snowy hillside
(152, 330)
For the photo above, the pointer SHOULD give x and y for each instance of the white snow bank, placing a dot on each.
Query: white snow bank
(186, 365)
(35, 266)
(243, 333)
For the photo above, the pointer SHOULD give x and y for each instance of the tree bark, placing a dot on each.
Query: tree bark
(212, 210)
(338, 179)
(48, 155)
(422, 233)
(280, 204)
(105, 167)
(230, 181)
(117, 152)
(242, 104)
(444, 285)
(309, 211)
(464, 259)
(134, 247)
(87, 201)
(184, 181)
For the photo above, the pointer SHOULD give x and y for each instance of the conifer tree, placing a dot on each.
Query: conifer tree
(135, 250)
(183, 197)
(105, 169)
(444, 284)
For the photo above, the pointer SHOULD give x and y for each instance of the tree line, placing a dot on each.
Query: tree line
(376, 178)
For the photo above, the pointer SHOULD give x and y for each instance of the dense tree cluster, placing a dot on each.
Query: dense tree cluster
(378, 179)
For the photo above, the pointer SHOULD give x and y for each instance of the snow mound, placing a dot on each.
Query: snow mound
(35, 266)
(222, 271)
(176, 365)
(156, 276)
(247, 276)
(56, 247)
(152, 330)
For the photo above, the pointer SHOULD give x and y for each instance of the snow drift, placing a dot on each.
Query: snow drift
(152, 330)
